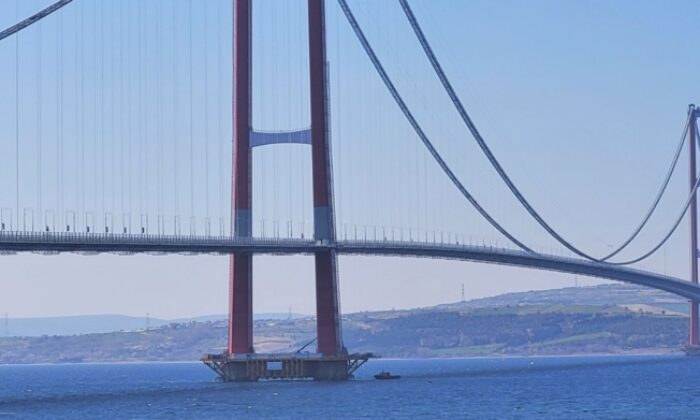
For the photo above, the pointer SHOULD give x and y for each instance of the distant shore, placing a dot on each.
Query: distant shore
(605, 320)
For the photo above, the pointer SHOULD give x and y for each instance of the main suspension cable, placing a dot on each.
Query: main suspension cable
(428, 144)
(392, 89)
(499, 169)
(33, 19)
(668, 235)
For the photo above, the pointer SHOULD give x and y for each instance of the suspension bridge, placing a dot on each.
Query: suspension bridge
(121, 115)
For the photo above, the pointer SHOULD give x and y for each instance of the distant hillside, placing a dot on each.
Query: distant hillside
(91, 324)
(631, 296)
(606, 294)
(615, 319)
(517, 330)
(72, 325)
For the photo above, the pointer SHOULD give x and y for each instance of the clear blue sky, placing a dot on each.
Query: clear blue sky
(583, 102)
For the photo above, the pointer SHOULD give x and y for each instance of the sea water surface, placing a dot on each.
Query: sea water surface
(532, 387)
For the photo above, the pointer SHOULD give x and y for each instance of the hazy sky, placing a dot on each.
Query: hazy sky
(583, 102)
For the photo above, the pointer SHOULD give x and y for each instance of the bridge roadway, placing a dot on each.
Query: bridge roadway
(92, 243)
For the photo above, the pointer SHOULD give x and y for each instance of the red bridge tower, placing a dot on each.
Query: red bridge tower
(241, 362)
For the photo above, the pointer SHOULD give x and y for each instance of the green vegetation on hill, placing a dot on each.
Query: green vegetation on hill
(530, 329)
(431, 332)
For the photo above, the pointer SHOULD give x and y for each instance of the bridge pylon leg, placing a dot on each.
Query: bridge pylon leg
(693, 114)
(327, 305)
(240, 334)
(693, 324)
(330, 341)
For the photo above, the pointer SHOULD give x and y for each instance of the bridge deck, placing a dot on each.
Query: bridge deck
(54, 242)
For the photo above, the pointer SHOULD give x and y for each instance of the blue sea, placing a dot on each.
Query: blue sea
(499, 388)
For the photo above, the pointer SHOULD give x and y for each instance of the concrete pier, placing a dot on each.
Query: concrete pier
(253, 366)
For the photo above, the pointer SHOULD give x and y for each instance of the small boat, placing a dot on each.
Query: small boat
(386, 375)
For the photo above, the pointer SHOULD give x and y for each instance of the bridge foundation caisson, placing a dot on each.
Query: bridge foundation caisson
(240, 362)
(693, 349)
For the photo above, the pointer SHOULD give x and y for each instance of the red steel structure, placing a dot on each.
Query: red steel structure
(241, 274)
(327, 305)
(692, 125)
(240, 334)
